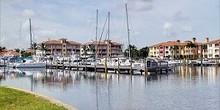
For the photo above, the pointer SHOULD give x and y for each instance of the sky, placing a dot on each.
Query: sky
(150, 21)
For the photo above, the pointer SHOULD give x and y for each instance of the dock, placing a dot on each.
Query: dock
(107, 69)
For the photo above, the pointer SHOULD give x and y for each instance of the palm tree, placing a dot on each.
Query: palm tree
(85, 53)
(34, 47)
(2, 48)
(173, 50)
(203, 47)
(42, 46)
(143, 52)
(191, 45)
(134, 51)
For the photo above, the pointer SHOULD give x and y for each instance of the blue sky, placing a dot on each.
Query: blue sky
(151, 21)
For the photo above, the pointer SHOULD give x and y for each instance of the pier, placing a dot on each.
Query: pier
(110, 69)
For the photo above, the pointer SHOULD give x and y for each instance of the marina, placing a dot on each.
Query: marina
(110, 55)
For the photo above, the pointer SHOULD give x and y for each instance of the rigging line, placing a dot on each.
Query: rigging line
(132, 31)
(106, 35)
(103, 29)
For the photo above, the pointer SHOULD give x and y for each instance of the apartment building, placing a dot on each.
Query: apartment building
(106, 47)
(213, 48)
(61, 47)
(175, 49)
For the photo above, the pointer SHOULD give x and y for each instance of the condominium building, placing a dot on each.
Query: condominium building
(213, 48)
(61, 47)
(106, 47)
(175, 49)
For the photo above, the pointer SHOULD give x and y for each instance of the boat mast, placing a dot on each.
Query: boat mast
(109, 54)
(129, 45)
(20, 39)
(96, 35)
(31, 37)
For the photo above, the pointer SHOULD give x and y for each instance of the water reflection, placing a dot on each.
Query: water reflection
(191, 87)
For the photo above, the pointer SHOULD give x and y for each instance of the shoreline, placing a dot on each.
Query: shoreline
(51, 100)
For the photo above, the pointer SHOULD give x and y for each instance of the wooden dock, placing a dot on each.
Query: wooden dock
(102, 68)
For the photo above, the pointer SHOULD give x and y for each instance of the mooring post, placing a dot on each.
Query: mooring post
(106, 68)
(118, 66)
(77, 65)
(86, 66)
(4, 65)
(145, 68)
(69, 64)
(63, 64)
(56, 64)
(46, 63)
(95, 67)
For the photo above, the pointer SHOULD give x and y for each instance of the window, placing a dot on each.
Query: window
(216, 45)
(210, 45)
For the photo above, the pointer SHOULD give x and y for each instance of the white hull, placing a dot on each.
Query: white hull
(31, 65)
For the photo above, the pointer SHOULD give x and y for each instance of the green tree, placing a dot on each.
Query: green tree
(203, 48)
(173, 50)
(25, 54)
(41, 46)
(143, 52)
(192, 47)
(17, 50)
(34, 47)
(2, 48)
(85, 50)
(134, 51)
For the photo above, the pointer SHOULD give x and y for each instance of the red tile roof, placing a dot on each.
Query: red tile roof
(58, 42)
(101, 43)
(213, 41)
(9, 53)
(172, 43)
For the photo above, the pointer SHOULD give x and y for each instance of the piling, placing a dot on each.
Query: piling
(106, 71)
(95, 67)
(56, 64)
(145, 68)
(118, 66)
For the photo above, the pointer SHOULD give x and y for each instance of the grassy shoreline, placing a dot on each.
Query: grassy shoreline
(12, 99)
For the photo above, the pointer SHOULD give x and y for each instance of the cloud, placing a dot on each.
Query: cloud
(178, 16)
(186, 29)
(28, 13)
(168, 30)
(139, 5)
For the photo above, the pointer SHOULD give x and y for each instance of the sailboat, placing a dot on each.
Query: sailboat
(31, 63)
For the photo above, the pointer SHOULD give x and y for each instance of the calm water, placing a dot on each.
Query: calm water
(186, 88)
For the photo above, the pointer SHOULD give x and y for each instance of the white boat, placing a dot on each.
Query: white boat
(31, 64)
(204, 61)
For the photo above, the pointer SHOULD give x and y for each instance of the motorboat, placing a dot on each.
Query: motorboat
(31, 64)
